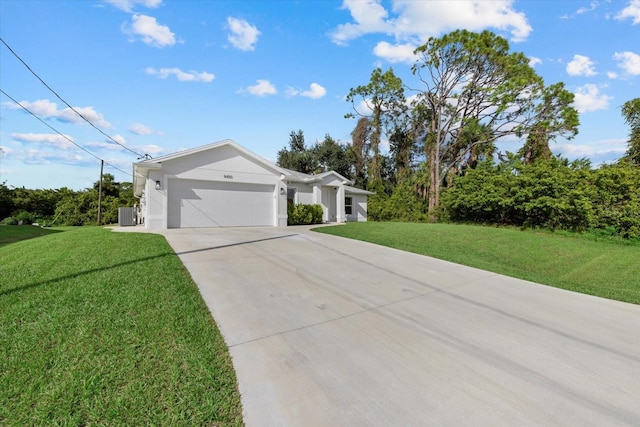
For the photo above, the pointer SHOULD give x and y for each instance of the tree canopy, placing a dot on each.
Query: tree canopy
(631, 115)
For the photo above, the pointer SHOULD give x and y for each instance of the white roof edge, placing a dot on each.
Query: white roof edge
(354, 190)
(213, 145)
(156, 162)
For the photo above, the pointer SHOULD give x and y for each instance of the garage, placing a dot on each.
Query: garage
(199, 203)
(225, 185)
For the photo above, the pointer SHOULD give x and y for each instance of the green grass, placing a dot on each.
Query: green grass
(602, 268)
(15, 233)
(104, 328)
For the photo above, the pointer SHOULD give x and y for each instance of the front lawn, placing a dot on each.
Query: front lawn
(104, 328)
(602, 268)
(15, 233)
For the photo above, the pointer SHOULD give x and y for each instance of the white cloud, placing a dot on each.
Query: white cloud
(262, 88)
(533, 61)
(581, 66)
(631, 11)
(182, 76)
(45, 157)
(592, 6)
(108, 144)
(315, 91)
(149, 31)
(415, 21)
(243, 35)
(119, 139)
(140, 129)
(598, 151)
(364, 108)
(128, 5)
(369, 17)
(49, 110)
(395, 53)
(104, 146)
(150, 149)
(629, 62)
(53, 139)
(588, 98)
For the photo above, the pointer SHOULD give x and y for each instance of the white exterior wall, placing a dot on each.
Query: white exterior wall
(156, 202)
(280, 207)
(358, 208)
(304, 194)
(224, 164)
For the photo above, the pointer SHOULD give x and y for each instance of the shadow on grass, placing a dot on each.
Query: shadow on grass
(15, 233)
(130, 262)
(83, 273)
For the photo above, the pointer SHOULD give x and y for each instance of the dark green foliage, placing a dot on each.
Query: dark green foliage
(6, 201)
(328, 155)
(297, 157)
(303, 214)
(631, 114)
(403, 205)
(553, 194)
(481, 196)
(331, 155)
(65, 206)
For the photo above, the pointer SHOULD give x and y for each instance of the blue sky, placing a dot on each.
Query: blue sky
(159, 76)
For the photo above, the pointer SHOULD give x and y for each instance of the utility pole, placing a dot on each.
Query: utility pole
(100, 190)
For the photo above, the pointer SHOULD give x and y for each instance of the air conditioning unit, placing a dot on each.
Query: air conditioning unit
(126, 217)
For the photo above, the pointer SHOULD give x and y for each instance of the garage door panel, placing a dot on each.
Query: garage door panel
(219, 204)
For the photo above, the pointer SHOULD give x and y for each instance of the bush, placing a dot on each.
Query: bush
(27, 218)
(9, 221)
(303, 214)
(552, 194)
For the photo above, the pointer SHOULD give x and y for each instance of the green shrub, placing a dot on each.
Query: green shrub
(9, 221)
(553, 194)
(27, 218)
(303, 214)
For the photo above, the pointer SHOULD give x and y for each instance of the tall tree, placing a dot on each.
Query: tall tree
(470, 81)
(631, 114)
(384, 100)
(554, 116)
(360, 149)
(331, 155)
(297, 157)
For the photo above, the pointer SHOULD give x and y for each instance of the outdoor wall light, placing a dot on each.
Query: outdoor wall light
(282, 192)
(158, 186)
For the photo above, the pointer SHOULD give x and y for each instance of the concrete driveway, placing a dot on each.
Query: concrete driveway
(334, 332)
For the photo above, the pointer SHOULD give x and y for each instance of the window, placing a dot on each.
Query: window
(348, 205)
(291, 195)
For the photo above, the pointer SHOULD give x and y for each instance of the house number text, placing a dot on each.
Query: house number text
(228, 176)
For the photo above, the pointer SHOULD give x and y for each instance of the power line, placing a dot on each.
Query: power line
(60, 133)
(69, 105)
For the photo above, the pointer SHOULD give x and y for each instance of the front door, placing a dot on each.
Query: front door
(329, 203)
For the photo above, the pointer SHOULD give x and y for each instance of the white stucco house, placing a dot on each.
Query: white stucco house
(223, 184)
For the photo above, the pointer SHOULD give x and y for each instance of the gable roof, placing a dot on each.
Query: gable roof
(293, 176)
(354, 190)
(141, 169)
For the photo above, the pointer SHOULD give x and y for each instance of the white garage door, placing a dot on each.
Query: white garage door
(195, 203)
